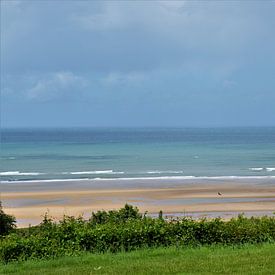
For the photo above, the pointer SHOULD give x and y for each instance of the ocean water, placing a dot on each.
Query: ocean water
(97, 153)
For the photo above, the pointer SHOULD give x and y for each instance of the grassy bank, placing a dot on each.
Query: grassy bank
(245, 259)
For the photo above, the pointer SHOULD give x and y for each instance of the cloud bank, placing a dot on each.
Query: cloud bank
(177, 63)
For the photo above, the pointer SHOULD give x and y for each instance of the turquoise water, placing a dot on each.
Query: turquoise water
(31, 154)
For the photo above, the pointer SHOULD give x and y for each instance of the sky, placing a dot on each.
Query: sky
(137, 63)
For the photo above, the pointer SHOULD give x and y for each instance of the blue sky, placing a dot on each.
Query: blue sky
(137, 63)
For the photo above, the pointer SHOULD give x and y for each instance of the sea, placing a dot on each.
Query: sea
(136, 153)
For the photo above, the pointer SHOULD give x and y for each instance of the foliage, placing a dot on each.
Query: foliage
(7, 222)
(113, 216)
(125, 230)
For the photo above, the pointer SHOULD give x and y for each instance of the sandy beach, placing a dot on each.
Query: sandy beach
(29, 201)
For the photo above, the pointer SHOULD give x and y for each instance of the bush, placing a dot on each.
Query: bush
(122, 215)
(7, 222)
(125, 230)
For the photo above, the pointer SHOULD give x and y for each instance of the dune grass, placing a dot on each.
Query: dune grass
(244, 259)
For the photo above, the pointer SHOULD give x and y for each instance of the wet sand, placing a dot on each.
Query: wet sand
(29, 201)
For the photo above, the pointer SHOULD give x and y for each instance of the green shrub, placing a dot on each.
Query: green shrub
(7, 222)
(122, 215)
(126, 229)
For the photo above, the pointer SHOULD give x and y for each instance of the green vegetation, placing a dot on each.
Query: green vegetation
(7, 222)
(126, 230)
(245, 259)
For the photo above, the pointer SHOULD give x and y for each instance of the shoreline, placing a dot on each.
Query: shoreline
(28, 202)
(143, 178)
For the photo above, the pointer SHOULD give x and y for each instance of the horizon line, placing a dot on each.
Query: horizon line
(135, 127)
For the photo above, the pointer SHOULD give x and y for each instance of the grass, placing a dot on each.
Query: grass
(244, 259)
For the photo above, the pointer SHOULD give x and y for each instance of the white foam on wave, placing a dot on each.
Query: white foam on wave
(152, 178)
(46, 180)
(94, 172)
(18, 173)
(164, 172)
(256, 169)
(188, 178)
(268, 169)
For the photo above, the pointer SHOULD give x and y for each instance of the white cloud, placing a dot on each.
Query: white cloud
(54, 85)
